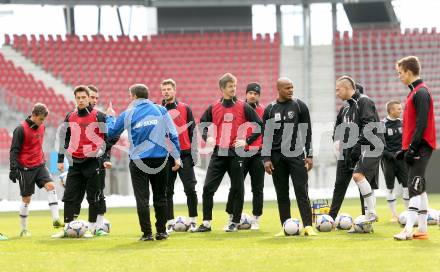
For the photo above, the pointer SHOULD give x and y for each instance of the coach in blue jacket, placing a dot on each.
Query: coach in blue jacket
(153, 137)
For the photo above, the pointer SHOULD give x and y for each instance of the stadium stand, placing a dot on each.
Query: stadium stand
(194, 60)
(21, 91)
(5, 143)
(369, 55)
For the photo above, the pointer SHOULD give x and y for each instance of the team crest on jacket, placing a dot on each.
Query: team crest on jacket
(290, 114)
(228, 117)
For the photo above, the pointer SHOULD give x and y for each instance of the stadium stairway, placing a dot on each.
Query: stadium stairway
(38, 72)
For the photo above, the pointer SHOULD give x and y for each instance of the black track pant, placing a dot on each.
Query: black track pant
(217, 168)
(295, 168)
(254, 166)
(416, 172)
(343, 178)
(81, 196)
(188, 178)
(141, 180)
(393, 169)
(89, 177)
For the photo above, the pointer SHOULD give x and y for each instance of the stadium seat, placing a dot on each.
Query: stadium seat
(374, 53)
(207, 56)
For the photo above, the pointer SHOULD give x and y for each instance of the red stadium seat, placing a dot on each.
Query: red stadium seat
(374, 53)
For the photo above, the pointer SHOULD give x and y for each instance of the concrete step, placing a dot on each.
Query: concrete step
(38, 72)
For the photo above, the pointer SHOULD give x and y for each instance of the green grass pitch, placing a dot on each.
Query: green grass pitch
(218, 251)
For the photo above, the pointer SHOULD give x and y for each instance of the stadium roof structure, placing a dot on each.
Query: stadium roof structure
(359, 12)
(183, 3)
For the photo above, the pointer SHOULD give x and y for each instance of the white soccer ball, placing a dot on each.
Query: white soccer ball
(344, 221)
(107, 226)
(325, 223)
(181, 224)
(403, 218)
(433, 217)
(361, 225)
(292, 226)
(245, 222)
(75, 229)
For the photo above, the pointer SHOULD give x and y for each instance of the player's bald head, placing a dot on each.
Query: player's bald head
(282, 81)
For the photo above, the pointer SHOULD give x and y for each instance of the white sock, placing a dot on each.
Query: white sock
(170, 222)
(100, 221)
(53, 204)
(256, 218)
(24, 212)
(423, 213)
(405, 197)
(230, 216)
(207, 223)
(92, 226)
(367, 194)
(391, 199)
(193, 220)
(374, 197)
(413, 208)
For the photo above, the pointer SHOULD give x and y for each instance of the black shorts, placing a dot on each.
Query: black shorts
(393, 169)
(369, 167)
(29, 178)
(416, 172)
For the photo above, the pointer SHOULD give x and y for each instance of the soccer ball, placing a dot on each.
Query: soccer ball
(433, 217)
(245, 222)
(344, 221)
(76, 229)
(107, 226)
(402, 219)
(361, 225)
(325, 223)
(181, 224)
(292, 226)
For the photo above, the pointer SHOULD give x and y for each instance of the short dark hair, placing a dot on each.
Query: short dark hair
(391, 103)
(39, 109)
(80, 89)
(228, 77)
(93, 88)
(139, 90)
(411, 63)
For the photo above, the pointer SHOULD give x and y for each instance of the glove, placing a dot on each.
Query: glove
(399, 155)
(411, 156)
(355, 153)
(14, 175)
(387, 155)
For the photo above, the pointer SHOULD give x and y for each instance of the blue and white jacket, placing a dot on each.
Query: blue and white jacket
(151, 131)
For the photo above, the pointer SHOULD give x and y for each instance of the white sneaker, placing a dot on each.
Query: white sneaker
(88, 234)
(232, 227)
(192, 227)
(170, 228)
(372, 217)
(59, 234)
(255, 225)
(25, 233)
(403, 235)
